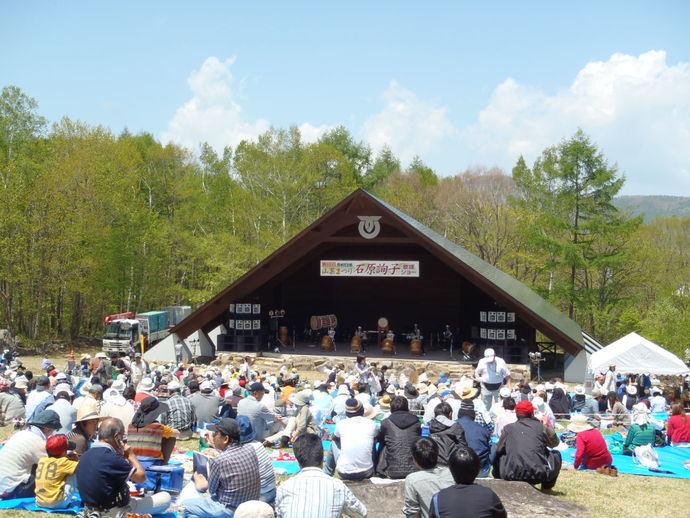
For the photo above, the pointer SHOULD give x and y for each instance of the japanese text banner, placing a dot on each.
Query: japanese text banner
(364, 268)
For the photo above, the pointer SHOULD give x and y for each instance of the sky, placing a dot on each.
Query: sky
(461, 84)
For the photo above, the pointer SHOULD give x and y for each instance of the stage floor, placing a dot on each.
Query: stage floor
(374, 351)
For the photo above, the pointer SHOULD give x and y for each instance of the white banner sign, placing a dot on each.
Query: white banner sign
(363, 268)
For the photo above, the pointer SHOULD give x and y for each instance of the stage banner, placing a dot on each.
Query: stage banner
(363, 268)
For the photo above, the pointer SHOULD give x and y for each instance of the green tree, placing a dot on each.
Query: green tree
(582, 236)
(384, 166)
(358, 154)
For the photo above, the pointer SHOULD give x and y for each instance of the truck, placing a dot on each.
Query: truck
(123, 330)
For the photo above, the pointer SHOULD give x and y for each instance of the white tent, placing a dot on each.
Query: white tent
(634, 354)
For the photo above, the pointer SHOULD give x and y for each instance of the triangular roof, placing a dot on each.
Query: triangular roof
(505, 289)
(634, 354)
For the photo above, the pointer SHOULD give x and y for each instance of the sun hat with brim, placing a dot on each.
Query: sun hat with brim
(370, 412)
(63, 387)
(254, 509)
(146, 385)
(247, 432)
(468, 393)
(391, 389)
(47, 419)
(301, 398)
(119, 385)
(385, 402)
(579, 390)
(578, 423)
(113, 396)
(422, 388)
(21, 382)
(87, 413)
(101, 355)
(631, 390)
(61, 376)
(431, 390)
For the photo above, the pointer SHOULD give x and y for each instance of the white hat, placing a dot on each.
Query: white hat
(206, 386)
(656, 390)
(432, 389)
(640, 414)
(504, 392)
(631, 390)
(548, 386)
(489, 353)
(254, 509)
(146, 384)
(173, 385)
(119, 384)
(391, 389)
(113, 396)
(61, 376)
(538, 403)
(101, 355)
(540, 388)
(579, 389)
(63, 387)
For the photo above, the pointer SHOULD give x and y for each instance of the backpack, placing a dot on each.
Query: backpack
(646, 456)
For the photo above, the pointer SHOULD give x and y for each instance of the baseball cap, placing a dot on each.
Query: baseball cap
(206, 386)
(226, 426)
(59, 444)
(489, 353)
(257, 387)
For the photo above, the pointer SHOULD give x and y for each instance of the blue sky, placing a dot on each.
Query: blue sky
(461, 84)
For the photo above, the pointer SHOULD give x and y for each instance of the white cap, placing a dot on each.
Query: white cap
(489, 353)
(62, 387)
(173, 385)
(579, 389)
(61, 376)
(206, 386)
(504, 392)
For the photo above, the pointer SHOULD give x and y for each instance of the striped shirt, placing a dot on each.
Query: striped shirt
(233, 476)
(313, 494)
(266, 473)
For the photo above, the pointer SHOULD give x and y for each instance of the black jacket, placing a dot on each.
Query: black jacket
(447, 436)
(398, 433)
(522, 452)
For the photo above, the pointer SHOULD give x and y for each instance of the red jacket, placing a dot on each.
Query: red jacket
(678, 430)
(592, 450)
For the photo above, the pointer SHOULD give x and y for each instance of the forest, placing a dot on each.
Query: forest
(93, 223)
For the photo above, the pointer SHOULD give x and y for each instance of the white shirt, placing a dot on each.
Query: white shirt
(657, 404)
(357, 435)
(492, 371)
(313, 494)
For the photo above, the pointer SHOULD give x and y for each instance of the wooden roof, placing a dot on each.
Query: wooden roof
(336, 227)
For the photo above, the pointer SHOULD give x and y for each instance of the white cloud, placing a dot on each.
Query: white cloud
(313, 133)
(636, 108)
(407, 124)
(212, 115)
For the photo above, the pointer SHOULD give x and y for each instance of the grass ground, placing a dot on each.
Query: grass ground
(604, 496)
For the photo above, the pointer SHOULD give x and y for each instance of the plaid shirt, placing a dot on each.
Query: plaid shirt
(180, 413)
(234, 475)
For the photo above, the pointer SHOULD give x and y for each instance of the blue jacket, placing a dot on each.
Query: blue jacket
(478, 438)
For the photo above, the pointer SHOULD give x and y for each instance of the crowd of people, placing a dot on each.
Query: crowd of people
(84, 428)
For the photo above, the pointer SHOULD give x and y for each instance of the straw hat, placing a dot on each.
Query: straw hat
(370, 412)
(468, 393)
(385, 402)
(422, 388)
(578, 423)
(146, 385)
(431, 390)
(87, 412)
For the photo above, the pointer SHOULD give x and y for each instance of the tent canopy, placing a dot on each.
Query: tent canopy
(634, 354)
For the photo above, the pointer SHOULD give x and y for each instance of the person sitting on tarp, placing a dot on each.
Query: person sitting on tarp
(678, 430)
(147, 436)
(592, 451)
(523, 451)
(104, 470)
(21, 454)
(641, 431)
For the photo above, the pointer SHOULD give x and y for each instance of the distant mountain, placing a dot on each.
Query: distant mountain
(653, 206)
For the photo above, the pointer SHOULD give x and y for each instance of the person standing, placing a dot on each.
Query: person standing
(609, 384)
(492, 372)
(178, 351)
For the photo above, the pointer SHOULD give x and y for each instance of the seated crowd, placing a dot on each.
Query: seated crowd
(84, 429)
